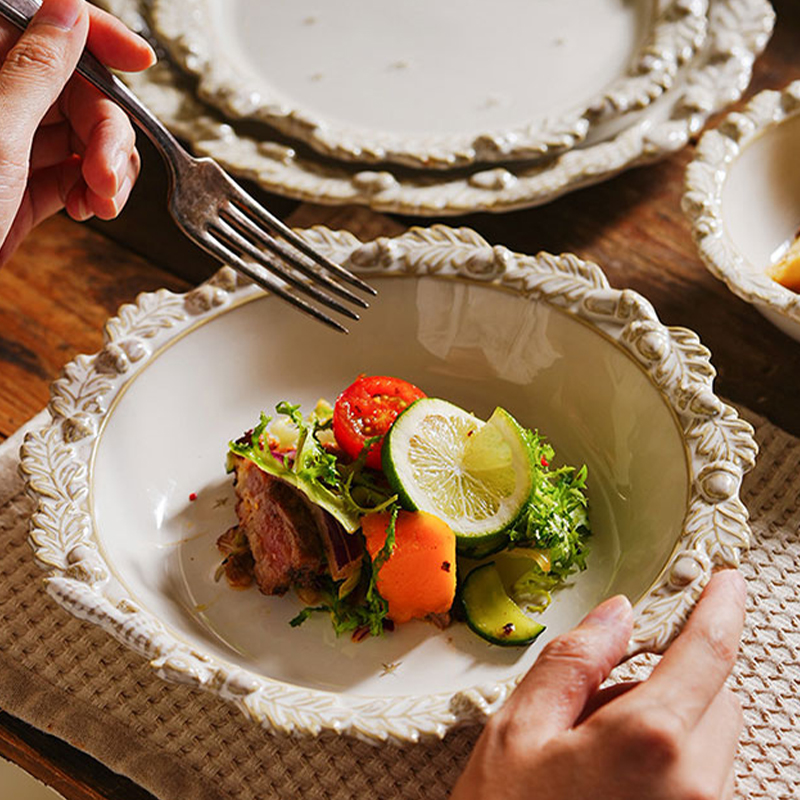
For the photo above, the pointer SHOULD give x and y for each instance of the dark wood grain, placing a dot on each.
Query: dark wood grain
(67, 279)
(65, 769)
(55, 296)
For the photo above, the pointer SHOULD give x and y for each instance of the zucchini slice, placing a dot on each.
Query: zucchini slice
(492, 614)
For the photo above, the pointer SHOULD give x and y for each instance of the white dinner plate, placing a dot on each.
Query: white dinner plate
(738, 31)
(132, 492)
(431, 84)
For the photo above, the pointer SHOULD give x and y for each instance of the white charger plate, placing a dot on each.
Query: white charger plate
(143, 425)
(743, 200)
(738, 31)
(431, 85)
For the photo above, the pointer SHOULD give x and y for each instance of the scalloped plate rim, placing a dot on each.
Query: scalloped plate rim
(278, 168)
(676, 28)
(765, 111)
(581, 290)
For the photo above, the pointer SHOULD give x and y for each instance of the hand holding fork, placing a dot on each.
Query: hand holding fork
(204, 201)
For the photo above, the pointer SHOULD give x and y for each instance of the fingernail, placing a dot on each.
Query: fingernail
(122, 194)
(83, 210)
(153, 56)
(120, 168)
(60, 13)
(735, 579)
(609, 612)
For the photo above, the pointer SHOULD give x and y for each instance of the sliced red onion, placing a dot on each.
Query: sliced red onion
(344, 550)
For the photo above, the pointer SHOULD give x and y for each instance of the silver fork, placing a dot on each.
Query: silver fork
(218, 215)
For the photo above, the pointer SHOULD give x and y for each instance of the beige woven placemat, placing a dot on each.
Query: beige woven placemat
(73, 680)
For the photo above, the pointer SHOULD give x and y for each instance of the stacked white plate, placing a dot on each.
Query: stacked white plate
(444, 108)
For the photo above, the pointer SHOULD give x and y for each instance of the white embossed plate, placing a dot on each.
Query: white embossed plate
(433, 85)
(743, 200)
(738, 31)
(140, 427)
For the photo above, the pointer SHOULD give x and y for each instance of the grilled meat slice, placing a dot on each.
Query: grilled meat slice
(238, 563)
(280, 529)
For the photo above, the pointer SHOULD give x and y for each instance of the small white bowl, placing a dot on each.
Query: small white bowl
(143, 425)
(742, 198)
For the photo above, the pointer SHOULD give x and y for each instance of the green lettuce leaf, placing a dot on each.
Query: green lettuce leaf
(346, 491)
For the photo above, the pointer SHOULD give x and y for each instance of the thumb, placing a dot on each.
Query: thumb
(32, 76)
(37, 68)
(552, 696)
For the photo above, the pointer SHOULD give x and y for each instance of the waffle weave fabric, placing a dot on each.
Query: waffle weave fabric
(76, 682)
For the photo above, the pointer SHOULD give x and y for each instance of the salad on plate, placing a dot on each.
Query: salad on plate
(391, 506)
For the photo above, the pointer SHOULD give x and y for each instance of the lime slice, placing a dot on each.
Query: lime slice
(474, 475)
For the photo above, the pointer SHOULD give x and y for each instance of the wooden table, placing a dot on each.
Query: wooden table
(68, 278)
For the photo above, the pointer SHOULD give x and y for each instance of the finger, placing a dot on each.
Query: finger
(569, 670)
(45, 194)
(729, 791)
(110, 207)
(713, 743)
(77, 204)
(604, 697)
(51, 145)
(117, 46)
(109, 39)
(36, 69)
(694, 668)
(31, 78)
(107, 133)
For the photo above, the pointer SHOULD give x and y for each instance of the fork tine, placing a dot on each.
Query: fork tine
(263, 279)
(240, 245)
(237, 219)
(272, 223)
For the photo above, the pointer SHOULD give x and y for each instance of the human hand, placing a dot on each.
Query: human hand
(671, 737)
(62, 143)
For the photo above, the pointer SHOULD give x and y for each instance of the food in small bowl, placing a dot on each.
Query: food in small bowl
(743, 201)
(363, 506)
(786, 269)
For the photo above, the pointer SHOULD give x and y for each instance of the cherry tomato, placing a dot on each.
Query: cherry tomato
(367, 408)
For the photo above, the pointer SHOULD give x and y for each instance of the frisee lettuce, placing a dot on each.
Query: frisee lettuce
(554, 520)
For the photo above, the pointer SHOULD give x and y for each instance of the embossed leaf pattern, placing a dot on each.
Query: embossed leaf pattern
(152, 313)
(184, 29)
(727, 438)
(564, 279)
(753, 24)
(56, 530)
(290, 710)
(665, 611)
(694, 357)
(80, 390)
(439, 248)
(59, 522)
(139, 631)
(336, 245)
(51, 467)
(720, 529)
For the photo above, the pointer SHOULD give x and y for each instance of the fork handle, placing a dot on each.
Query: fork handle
(19, 14)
